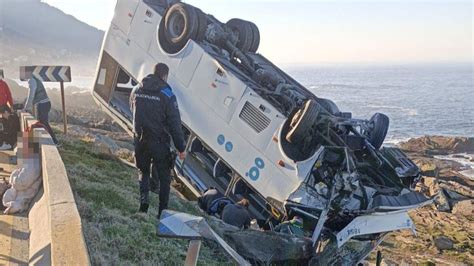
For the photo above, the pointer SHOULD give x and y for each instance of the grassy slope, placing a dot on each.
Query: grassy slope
(106, 192)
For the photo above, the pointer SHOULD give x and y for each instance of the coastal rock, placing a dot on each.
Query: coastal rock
(126, 154)
(443, 243)
(445, 199)
(432, 185)
(106, 145)
(464, 208)
(428, 168)
(75, 130)
(442, 202)
(438, 145)
(446, 192)
(453, 195)
(436, 167)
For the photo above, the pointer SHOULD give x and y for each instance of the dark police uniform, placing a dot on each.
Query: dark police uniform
(155, 117)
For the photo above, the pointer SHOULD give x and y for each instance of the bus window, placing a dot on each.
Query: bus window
(204, 155)
(222, 174)
(199, 166)
(121, 95)
(106, 77)
(258, 205)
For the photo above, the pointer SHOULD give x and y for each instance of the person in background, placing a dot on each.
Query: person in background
(5, 94)
(237, 214)
(38, 99)
(292, 227)
(155, 117)
(10, 127)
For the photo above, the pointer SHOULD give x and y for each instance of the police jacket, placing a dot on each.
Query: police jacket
(155, 113)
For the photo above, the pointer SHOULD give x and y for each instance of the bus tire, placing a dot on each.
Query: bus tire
(376, 135)
(302, 122)
(181, 23)
(256, 38)
(247, 32)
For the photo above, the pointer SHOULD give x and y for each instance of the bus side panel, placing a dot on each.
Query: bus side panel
(143, 25)
(124, 13)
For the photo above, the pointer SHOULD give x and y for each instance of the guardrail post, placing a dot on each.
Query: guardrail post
(193, 253)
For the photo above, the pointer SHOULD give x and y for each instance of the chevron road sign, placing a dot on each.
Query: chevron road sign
(59, 74)
(46, 73)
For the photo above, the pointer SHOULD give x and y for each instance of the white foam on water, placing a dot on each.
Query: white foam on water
(395, 141)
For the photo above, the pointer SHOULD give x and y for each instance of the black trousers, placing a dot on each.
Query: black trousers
(158, 154)
(42, 113)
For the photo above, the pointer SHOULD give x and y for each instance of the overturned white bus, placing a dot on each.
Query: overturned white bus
(253, 131)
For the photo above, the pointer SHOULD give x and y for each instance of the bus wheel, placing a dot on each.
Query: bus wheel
(302, 122)
(247, 32)
(376, 135)
(180, 24)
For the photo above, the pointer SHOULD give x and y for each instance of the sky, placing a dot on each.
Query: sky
(335, 31)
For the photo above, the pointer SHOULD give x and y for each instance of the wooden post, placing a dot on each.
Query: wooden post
(64, 108)
(193, 253)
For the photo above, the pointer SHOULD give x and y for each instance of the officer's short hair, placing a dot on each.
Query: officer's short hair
(161, 70)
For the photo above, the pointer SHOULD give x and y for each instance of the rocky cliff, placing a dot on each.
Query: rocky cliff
(446, 229)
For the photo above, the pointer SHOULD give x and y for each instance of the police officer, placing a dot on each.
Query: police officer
(155, 117)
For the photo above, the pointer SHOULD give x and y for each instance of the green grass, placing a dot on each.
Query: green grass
(106, 192)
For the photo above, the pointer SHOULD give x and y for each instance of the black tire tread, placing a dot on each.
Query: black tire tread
(306, 121)
(256, 38)
(378, 133)
(195, 28)
(245, 33)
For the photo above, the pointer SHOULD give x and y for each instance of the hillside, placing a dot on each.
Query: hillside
(33, 32)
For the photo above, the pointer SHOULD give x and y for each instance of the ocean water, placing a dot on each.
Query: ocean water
(419, 99)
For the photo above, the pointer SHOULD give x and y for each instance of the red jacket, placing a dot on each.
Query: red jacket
(5, 94)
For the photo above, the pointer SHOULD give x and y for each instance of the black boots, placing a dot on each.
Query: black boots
(143, 207)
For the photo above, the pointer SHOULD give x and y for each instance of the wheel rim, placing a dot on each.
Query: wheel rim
(296, 118)
(176, 25)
